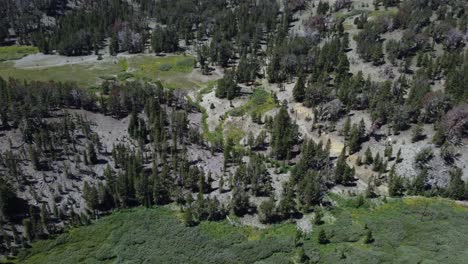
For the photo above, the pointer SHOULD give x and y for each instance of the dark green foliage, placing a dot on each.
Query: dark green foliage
(369, 238)
(423, 157)
(91, 154)
(369, 45)
(395, 184)
(368, 159)
(322, 237)
(187, 217)
(357, 135)
(310, 191)
(90, 194)
(318, 216)
(227, 86)
(419, 185)
(344, 174)
(267, 211)
(284, 135)
(322, 7)
(240, 203)
(287, 205)
(299, 89)
(164, 40)
(247, 69)
(457, 81)
(456, 188)
(417, 133)
(448, 154)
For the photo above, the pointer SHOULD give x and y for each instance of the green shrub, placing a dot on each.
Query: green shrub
(165, 67)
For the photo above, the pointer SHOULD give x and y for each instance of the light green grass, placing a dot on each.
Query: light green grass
(259, 102)
(233, 131)
(16, 52)
(382, 12)
(88, 74)
(82, 74)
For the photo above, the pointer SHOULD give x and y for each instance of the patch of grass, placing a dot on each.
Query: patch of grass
(233, 132)
(354, 12)
(381, 12)
(208, 87)
(216, 136)
(146, 65)
(123, 63)
(259, 103)
(16, 52)
(82, 74)
(87, 74)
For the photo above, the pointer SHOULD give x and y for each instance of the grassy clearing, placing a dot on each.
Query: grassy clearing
(147, 66)
(16, 52)
(369, 13)
(259, 103)
(82, 74)
(88, 74)
(410, 230)
(381, 12)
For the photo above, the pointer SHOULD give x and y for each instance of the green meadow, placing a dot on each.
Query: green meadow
(171, 70)
(409, 230)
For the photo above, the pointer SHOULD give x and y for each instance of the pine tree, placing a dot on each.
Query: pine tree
(419, 184)
(92, 155)
(322, 237)
(114, 45)
(369, 237)
(456, 188)
(188, 218)
(395, 184)
(417, 133)
(287, 204)
(398, 156)
(91, 197)
(388, 151)
(318, 216)
(240, 201)
(368, 159)
(354, 141)
(284, 135)
(299, 89)
(267, 211)
(340, 168)
(346, 127)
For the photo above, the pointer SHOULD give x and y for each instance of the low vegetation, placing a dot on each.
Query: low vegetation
(401, 230)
